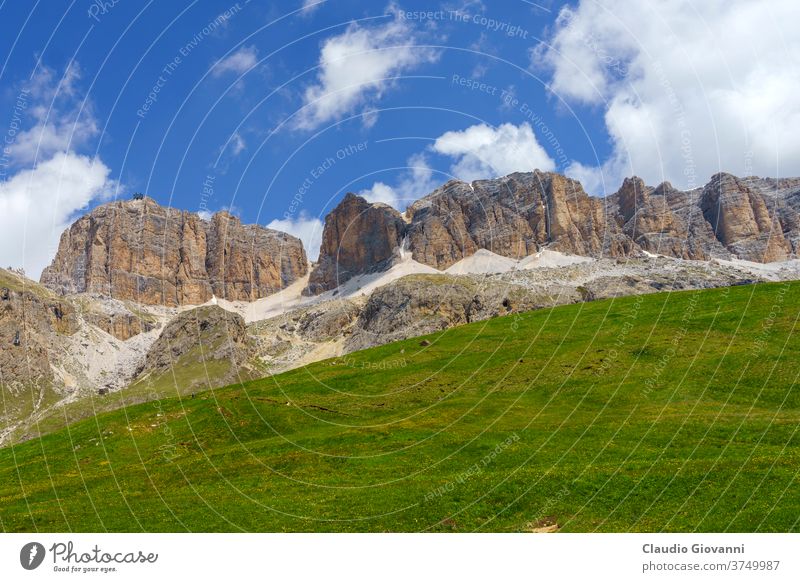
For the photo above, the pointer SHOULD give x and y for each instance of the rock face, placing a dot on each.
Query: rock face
(750, 218)
(30, 319)
(740, 216)
(200, 343)
(358, 237)
(32, 323)
(122, 326)
(422, 304)
(306, 334)
(247, 262)
(137, 250)
(514, 217)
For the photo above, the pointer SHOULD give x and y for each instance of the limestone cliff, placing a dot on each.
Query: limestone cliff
(140, 251)
(741, 217)
(30, 320)
(520, 214)
(358, 237)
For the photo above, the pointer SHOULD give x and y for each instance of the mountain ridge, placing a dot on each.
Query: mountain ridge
(140, 251)
(754, 219)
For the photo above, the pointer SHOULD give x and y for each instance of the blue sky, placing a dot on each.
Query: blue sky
(277, 109)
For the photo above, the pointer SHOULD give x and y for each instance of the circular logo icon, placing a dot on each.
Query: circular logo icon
(31, 555)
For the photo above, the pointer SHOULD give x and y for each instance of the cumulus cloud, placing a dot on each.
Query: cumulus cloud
(687, 89)
(357, 66)
(37, 205)
(483, 152)
(307, 228)
(238, 62)
(479, 152)
(59, 120)
(416, 182)
(45, 182)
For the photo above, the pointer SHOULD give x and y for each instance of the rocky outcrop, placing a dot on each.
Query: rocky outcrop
(422, 304)
(742, 220)
(664, 220)
(518, 215)
(140, 251)
(31, 318)
(515, 216)
(326, 322)
(358, 237)
(122, 326)
(305, 335)
(205, 343)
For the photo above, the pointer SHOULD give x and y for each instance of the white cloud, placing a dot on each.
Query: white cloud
(48, 182)
(369, 118)
(485, 152)
(480, 152)
(51, 136)
(60, 120)
(37, 205)
(356, 66)
(592, 178)
(238, 144)
(307, 228)
(415, 183)
(238, 62)
(688, 88)
(383, 193)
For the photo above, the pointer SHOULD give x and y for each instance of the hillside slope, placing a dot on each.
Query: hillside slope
(672, 411)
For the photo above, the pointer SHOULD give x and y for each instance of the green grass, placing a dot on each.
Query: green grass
(18, 284)
(675, 412)
(191, 372)
(185, 378)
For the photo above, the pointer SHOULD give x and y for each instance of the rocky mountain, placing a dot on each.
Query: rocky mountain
(200, 346)
(518, 215)
(358, 237)
(140, 251)
(32, 322)
(30, 319)
(76, 366)
(115, 320)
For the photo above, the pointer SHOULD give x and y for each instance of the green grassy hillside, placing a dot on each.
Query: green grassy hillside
(667, 412)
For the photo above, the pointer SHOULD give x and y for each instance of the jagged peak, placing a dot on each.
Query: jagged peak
(663, 188)
(634, 180)
(723, 176)
(352, 197)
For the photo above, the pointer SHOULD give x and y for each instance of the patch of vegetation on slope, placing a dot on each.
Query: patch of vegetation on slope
(199, 349)
(672, 411)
